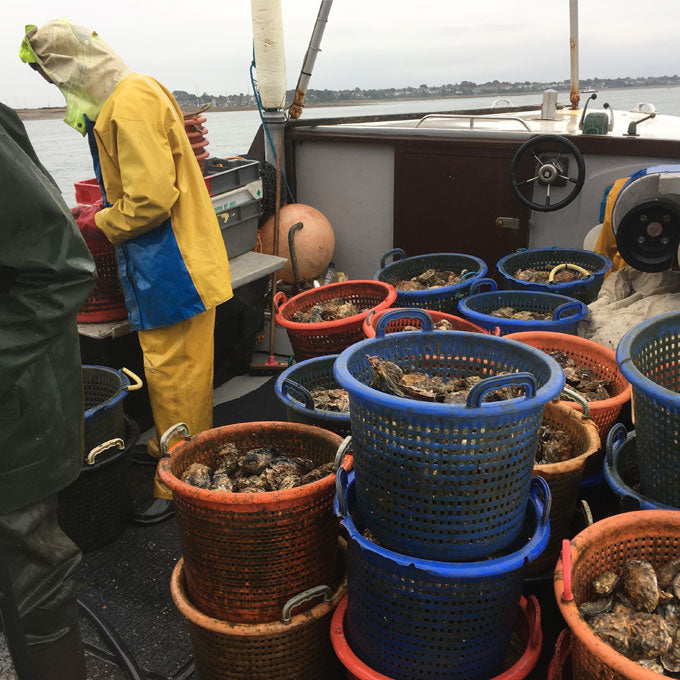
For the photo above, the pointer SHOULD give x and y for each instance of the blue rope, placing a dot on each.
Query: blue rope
(258, 101)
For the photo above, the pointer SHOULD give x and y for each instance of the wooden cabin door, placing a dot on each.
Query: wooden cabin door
(455, 196)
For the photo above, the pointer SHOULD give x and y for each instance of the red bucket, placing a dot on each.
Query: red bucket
(559, 668)
(527, 627)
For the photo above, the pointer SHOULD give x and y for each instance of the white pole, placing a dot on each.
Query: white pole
(574, 94)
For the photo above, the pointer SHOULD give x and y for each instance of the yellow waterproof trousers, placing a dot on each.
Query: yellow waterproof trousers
(178, 363)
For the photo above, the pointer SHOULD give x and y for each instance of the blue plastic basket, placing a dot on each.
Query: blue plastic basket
(649, 357)
(585, 290)
(443, 481)
(621, 469)
(413, 619)
(567, 312)
(442, 299)
(292, 388)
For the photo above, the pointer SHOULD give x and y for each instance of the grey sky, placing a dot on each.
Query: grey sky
(207, 46)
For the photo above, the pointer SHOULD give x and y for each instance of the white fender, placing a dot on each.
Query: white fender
(591, 237)
(270, 57)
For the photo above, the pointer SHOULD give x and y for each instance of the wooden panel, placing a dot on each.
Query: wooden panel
(447, 199)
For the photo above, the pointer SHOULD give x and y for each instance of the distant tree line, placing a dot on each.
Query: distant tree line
(464, 88)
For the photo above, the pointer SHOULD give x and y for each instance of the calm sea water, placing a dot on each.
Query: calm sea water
(65, 153)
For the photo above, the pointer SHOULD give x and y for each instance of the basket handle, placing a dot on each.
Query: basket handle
(572, 305)
(475, 287)
(303, 597)
(495, 382)
(297, 392)
(567, 265)
(413, 313)
(135, 379)
(615, 440)
(174, 430)
(341, 484)
(369, 331)
(567, 595)
(103, 447)
(342, 452)
(540, 490)
(562, 651)
(279, 299)
(579, 399)
(394, 252)
(534, 616)
(497, 331)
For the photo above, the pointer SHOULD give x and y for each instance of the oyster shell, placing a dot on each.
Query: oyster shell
(666, 572)
(613, 629)
(222, 482)
(198, 475)
(251, 485)
(605, 583)
(651, 664)
(317, 474)
(638, 580)
(588, 609)
(288, 482)
(335, 399)
(648, 636)
(282, 466)
(256, 460)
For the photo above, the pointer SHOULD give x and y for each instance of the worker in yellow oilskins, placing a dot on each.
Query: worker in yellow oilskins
(172, 262)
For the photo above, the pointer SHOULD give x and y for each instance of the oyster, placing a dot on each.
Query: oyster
(605, 583)
(443, 325)
(601, 606)
(198, 475)
(648, 636)
(317, 474)
(251, 485)
(270, 478)
(288, 482)
(430, 278)
(670, 613)
(335, 399)
(328, 310)
(554, 445)
(665, 574)
(282, 466)
(305, 465)
(675, 586)
(521, 314)
(613, 629)
(638, 580)
(652, 665)
(227, 459)
(256, 460)
(222, 482)
(370, 536)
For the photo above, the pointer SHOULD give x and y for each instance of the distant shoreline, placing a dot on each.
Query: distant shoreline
(48, 113)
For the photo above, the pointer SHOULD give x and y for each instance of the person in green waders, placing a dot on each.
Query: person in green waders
(46, 273)
(172, 263)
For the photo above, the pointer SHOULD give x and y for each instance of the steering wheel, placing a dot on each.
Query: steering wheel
(551, 155)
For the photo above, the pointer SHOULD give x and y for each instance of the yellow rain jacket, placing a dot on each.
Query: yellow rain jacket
(172, 260)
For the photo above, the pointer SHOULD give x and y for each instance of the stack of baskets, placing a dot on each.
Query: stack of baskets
(649, 357)
(94, 510)
(255, 566)
(442, 513)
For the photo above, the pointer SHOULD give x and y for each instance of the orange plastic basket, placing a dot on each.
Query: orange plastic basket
(602, 362)
(299, 649)
(652, 535)
(559, 668)
(331, 337)
(246, 554)
(564, 478)
(411, 316)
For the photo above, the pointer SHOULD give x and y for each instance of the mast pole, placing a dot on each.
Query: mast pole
(295, 110)
(575, 93)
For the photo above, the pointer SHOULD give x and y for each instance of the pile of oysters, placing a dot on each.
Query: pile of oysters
(554, 445)
(521, 314)
(638, 613)
(443, 325)
(582, 379)
(430, 278)
(329, 310)
(387, 377)
(542, 274)
(330, 399)
(259, 470)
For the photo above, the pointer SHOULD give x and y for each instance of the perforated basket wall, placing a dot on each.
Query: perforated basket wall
(564, 478)
(602, 362)
(246, 554)
(331, 337)
(649, 357)
(477, 308)
(411, 619)
(104, 392)
(106, 301)
(310, 374)
(444, 481)
(299, 650)
(652, 535)
(441, 299)
(95, 509)
(397, 325)
(585, 290)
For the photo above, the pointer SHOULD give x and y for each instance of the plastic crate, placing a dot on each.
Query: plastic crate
(415, 619)
(239, 227)
(446, 481)
(649, 357)
(88, 191)
(236, 197)
(221, 174)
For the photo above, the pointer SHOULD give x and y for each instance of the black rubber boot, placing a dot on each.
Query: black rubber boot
(60, 660)
(155, 511)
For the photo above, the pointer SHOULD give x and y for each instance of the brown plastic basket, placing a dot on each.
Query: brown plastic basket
(652, 535)
(246, 554)
(297, 650)
(564, 478)
(331, 337)
(602, 362)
